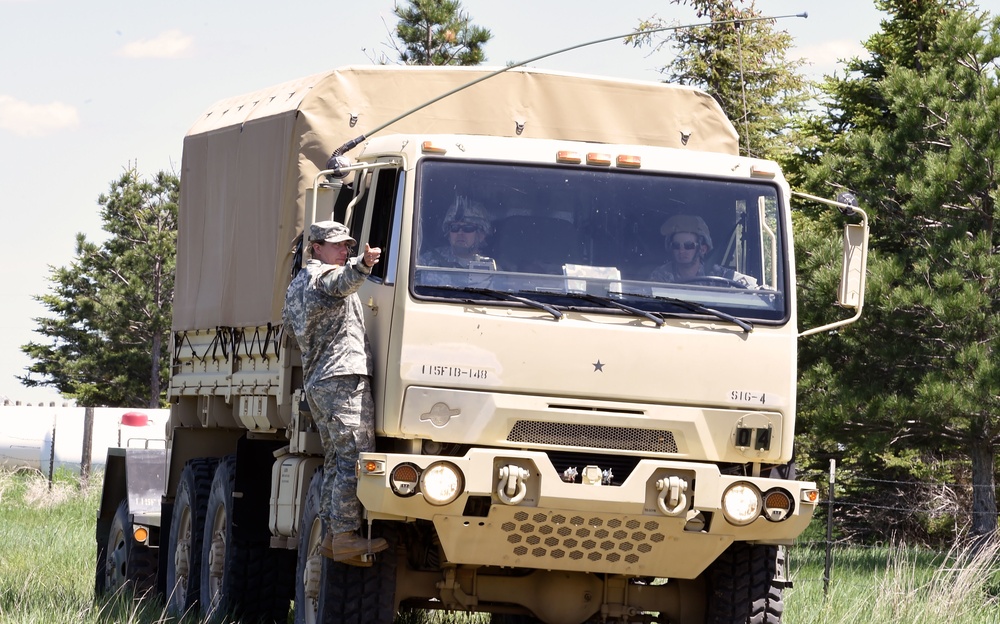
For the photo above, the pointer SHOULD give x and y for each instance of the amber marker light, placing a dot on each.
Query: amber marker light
(810, 496)
(429, 147)
(373, 466)
(140, 534)
(597, 158)
(568, 157)
(628, 161)
(763, 171)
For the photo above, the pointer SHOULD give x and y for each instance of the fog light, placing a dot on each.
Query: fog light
(403, 479)
(441, 483)
(741, 503)
(777, 505)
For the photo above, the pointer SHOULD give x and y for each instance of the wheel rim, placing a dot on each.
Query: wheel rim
(114, 563)
(182, 556)
(217, 557)
(312, 573)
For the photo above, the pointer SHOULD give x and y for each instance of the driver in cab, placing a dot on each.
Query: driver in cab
(687, 241)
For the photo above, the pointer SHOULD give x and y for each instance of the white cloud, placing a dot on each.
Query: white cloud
(169, 44)
(26, 119)
(824, 58)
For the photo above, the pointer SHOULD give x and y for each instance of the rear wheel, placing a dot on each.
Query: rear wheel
(124, 563)
(747, 585)
(241, 577)
(186, 530)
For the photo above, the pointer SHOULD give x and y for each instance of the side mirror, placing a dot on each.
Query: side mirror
(851, 293)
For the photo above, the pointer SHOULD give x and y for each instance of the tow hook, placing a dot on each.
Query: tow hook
(672, 497)
(511, 489)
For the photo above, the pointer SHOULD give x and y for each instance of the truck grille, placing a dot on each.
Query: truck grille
(598, 542)
(581, 538)
(593, 436)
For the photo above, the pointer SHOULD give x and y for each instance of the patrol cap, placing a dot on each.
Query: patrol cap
(329, 232)
(687, 223)
(465, 210)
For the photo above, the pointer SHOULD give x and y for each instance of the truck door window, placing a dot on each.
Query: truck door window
(382, 211)
(641, 238)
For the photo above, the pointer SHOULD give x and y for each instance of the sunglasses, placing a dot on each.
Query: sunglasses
(468, 229)
(686, 245)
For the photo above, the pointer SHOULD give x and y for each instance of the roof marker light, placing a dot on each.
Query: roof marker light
(429, 147)
(597, 158)
(568, 157)
(763, 170)
(628, 161)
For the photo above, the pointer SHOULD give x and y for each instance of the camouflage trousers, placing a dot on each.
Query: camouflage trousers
(344, 414)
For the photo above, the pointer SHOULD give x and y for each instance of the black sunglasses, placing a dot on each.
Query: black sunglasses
(686, 245)
(468, 229)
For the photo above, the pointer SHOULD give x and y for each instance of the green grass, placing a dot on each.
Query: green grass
(47, 572)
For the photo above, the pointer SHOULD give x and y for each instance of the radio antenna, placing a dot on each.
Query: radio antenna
(335, 161)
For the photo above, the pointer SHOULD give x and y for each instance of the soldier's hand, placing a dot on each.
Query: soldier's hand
(371, 255)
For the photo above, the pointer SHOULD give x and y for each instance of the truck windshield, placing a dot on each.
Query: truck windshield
(650, 242)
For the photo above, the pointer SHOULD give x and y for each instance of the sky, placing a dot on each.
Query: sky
(88, 89)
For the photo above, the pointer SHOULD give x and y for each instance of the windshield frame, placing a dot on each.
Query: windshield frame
(768, 306)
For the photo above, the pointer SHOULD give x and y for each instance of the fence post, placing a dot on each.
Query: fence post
(829, 528)
(88, 445)
(52, 454)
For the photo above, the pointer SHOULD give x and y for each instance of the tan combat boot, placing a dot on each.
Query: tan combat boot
(343, 546)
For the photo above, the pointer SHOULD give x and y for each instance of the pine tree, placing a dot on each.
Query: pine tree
(919, 144)
(438, 32)
(111, 307)
(743, 65)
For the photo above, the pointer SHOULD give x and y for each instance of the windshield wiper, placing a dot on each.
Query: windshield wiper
(607, 301)
(500, 294)
(694, 306)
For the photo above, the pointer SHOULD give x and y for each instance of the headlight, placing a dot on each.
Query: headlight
(441, 483)
(741, 503)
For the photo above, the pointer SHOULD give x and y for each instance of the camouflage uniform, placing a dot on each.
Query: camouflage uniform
(665, 273)
(324, 315)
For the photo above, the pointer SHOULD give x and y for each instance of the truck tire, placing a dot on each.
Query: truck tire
(240, 577)
(310, 563)
(184, 546)
(327, 592)
(124, 565)
(746, 585)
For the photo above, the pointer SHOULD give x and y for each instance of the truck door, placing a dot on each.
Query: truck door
(377, 221)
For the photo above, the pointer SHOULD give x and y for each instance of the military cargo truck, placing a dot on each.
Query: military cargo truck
(567, 430)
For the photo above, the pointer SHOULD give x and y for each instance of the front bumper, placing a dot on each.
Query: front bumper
(555, 525)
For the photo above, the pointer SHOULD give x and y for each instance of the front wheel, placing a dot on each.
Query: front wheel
(327, 592)
(746, 585)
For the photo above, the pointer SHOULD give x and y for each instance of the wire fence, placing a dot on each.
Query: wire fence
(901, 506)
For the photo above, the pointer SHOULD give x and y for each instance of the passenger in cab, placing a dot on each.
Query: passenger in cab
(688, 240)
(466, 225)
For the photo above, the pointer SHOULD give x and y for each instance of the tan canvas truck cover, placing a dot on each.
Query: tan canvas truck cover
(248, 160)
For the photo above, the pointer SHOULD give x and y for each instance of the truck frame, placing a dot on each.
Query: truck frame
(562, 436)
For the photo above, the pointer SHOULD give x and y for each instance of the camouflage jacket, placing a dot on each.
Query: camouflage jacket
(665, 273)
(324, 315)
